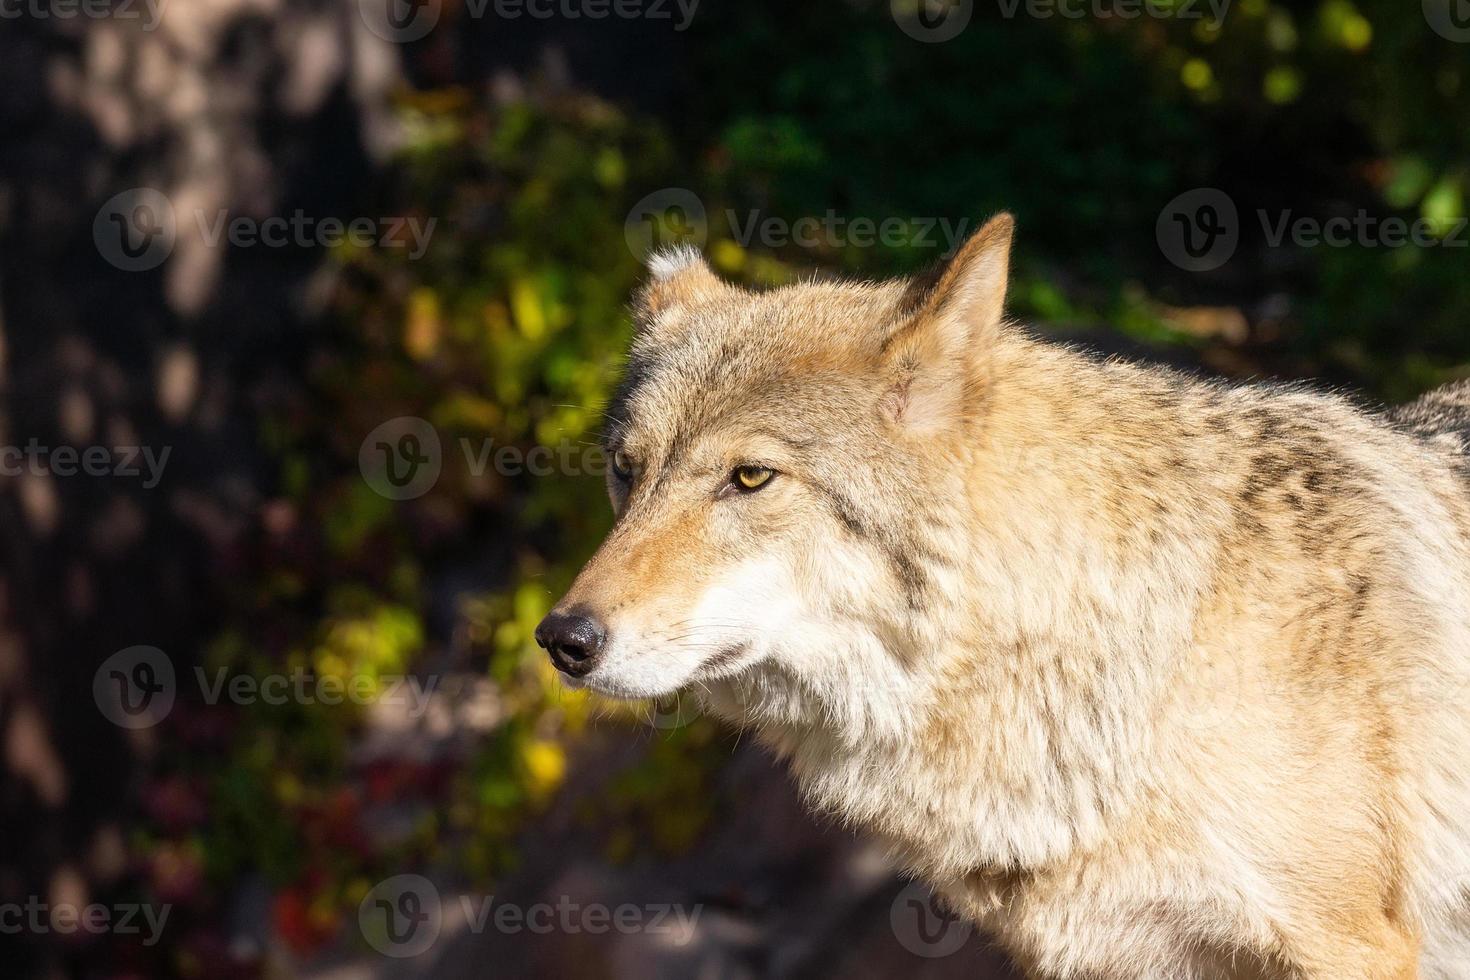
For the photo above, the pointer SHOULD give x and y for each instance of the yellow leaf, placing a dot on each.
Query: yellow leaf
(421, 333)
(527, 309)
(546, 765)
(1197, 74)
(288, 789)
(729, 256)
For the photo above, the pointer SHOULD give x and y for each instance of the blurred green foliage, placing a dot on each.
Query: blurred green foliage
(1085, 127)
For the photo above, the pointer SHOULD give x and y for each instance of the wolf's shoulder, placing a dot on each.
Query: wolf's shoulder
(1442, 413)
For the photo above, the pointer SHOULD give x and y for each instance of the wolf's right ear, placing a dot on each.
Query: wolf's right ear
(678, 278)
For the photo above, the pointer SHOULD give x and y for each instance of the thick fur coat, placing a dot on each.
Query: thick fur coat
(1153, 676)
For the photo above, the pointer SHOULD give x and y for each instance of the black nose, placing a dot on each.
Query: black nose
(573, 640)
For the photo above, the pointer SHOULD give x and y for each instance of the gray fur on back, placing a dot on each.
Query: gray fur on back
(1444, 412)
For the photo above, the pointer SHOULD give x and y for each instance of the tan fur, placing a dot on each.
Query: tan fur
(1155, 677)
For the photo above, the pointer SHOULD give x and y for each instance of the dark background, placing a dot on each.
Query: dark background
(266, 549)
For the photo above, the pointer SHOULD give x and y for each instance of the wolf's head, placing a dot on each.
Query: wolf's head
(786, 466)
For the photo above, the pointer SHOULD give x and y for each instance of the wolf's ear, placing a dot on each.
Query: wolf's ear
(678, 278)
(937, 357)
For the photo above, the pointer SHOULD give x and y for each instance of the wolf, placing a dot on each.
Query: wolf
(1150, 675)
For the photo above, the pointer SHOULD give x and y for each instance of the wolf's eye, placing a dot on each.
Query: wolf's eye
(622, 465)
(749, 478)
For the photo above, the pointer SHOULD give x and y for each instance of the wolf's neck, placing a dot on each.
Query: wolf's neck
(1025, 718)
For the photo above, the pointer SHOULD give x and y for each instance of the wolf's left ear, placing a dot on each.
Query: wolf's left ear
(937, 358)
(678, 278)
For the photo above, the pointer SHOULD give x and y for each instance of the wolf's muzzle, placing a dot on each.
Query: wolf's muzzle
(574, 642)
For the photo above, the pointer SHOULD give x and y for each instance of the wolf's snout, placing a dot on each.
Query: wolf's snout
(573, 641)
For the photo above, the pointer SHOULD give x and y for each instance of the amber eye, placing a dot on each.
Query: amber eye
(622, 465)
(751, 477)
